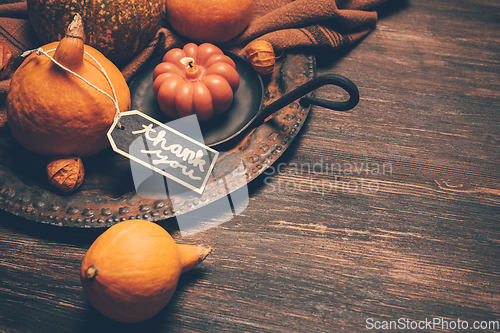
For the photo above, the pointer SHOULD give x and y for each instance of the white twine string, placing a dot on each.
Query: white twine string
(114, 99)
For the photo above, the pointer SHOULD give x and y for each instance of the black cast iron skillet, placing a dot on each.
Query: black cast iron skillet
(246, 109)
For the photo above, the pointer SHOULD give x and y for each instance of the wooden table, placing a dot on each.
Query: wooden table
(405, 228)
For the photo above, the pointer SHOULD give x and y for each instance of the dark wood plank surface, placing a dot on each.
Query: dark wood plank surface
(405, 227)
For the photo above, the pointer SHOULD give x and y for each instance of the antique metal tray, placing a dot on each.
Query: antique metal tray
(108, 196)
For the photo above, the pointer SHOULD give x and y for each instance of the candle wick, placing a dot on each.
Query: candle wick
(190, 64)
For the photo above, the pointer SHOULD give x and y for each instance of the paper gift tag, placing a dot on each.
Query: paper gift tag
(163, 149)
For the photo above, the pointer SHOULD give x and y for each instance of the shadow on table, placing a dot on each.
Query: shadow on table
(65, 235)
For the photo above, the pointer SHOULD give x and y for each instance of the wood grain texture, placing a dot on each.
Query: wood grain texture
(320, 250)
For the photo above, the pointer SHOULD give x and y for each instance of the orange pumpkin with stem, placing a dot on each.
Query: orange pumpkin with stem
(53, 112)
(131, 270)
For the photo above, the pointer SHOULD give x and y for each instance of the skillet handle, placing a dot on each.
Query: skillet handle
(301, 91)
(333, 79)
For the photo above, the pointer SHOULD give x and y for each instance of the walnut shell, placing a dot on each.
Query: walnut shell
(261, 55)
(66, 172)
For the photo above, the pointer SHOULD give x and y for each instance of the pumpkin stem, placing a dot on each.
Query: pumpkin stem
(192, 255)
(91, 272)
(70, 50)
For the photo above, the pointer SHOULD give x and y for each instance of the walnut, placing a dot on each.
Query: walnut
(261, 55)
(66, 172)
(6, 60)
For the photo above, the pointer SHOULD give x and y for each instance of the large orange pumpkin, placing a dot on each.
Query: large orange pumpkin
(131, 270)
(212, 21)
(52, 112)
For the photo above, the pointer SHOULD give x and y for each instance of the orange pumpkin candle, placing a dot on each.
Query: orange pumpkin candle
(197, 80)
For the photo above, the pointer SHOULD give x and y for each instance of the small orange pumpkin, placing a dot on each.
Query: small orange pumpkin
(52, 112)
(131, 270)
